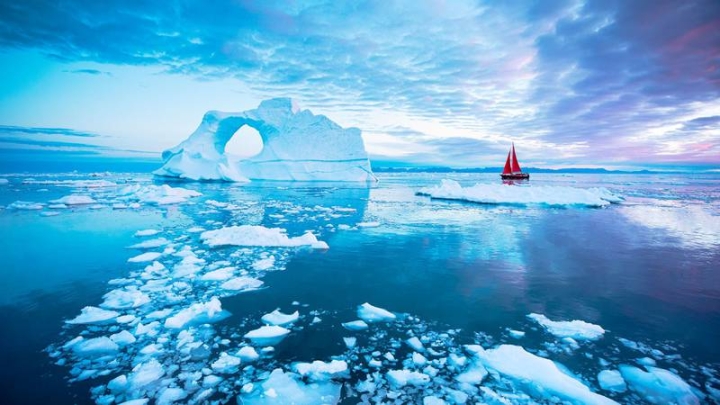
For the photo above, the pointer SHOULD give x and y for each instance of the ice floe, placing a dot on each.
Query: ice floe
(578, 330)
(145, 257)
(522, 195)
(210, 311)
(543, 375)
(659, 386)
(25, 205)
(321, 371)
(282, 388)
(254, 235)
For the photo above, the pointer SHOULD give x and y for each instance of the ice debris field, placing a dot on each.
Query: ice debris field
(157, 335)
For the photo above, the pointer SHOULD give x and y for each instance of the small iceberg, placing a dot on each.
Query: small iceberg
(555, 196)
(89, 315)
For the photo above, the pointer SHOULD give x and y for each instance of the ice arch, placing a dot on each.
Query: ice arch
(297, 145)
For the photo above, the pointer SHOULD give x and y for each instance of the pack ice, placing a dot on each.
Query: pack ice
(297, 145)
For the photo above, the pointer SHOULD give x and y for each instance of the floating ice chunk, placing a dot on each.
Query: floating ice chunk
(433, 400)
(264, 264)
(659, 386)
(545, 378)
(93, 315)
(158, 195)
(350, 342)
(474, 374)
(49, 213)
(418, 359)
(150, 244)
(355, 325)
(203, 312)
(57, 206)
(401, 378)
(170, 395)
(523, 195)
(369, 313)
(95, 346)
(578, 330)
(123, 338)
(147, 232)
(124, 298)
(248, 354)
(118, 384)
(242, 283)
(267, 335)
(226, 364)
(368, 224)
(278, 318)
(415, 344)
(219, 274)
(145, 257)
(145, 373)
(517, 334)
(611, 380)
(254, 235)
(320, 371)
(141, 401)
(74, 199)
(25, 205)
(4, 181)
(282, 389)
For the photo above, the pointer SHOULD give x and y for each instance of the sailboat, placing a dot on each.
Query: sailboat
(512, 170)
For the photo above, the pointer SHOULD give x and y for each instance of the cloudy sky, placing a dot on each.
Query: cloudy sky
(611, 83)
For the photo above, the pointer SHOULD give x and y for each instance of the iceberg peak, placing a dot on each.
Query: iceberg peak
(297, 145)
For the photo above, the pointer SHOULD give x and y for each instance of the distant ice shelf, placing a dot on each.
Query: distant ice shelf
(297, 145)
(522, 195)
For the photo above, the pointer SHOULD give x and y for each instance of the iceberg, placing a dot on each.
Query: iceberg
(297, 145)
(521, 195)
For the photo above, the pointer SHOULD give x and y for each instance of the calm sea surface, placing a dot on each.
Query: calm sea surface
(646, 270)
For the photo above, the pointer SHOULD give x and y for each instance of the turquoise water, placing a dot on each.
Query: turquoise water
(646, 270)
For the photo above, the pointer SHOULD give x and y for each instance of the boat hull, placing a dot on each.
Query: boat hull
(515, 176)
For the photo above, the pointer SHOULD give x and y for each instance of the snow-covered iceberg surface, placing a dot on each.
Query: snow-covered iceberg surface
(297, 145)
(522, 195)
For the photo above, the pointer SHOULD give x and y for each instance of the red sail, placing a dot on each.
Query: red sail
(507, 169)
(515, 166)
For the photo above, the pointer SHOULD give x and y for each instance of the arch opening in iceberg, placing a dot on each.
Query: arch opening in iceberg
(244, 144)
